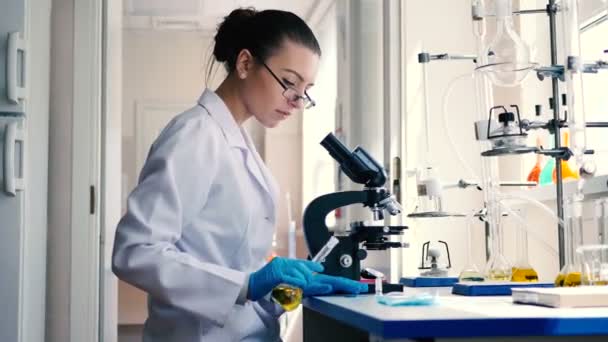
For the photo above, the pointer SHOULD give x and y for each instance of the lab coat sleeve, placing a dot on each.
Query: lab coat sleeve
(174, 184)
(270, 306)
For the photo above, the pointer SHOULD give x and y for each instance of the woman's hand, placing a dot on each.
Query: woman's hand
(295, 272)
(322, 284)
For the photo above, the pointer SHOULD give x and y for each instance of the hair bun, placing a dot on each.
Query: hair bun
(231, 32)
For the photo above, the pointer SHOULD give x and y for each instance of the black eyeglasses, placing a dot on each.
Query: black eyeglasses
(290, 93)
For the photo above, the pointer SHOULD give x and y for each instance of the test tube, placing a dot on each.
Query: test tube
(325, 250)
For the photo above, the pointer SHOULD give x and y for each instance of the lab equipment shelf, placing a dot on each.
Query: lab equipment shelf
(596, 187)
(342, 318)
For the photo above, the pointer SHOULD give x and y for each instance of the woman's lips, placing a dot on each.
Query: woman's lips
(285, 114)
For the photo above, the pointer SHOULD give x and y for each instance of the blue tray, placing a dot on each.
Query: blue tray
(428, 281)
(489, 289)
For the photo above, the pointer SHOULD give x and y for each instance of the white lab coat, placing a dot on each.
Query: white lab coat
(199, 222)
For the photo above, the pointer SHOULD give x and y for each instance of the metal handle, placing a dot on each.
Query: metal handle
(11, 135)
(15, 44)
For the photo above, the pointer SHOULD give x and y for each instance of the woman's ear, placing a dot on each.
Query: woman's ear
(244, 63)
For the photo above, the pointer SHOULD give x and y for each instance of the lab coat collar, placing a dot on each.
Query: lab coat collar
(218, 110)
(271, 186)
(238, 137)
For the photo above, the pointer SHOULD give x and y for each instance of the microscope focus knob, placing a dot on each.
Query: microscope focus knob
(361, 254)
(346, 261)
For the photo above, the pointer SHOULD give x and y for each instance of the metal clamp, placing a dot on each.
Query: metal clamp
(555, 71)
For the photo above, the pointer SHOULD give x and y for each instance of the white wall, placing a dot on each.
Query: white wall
(60, 172)
(318, 167)
(360, 112)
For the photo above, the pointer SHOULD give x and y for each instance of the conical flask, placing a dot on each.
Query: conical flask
(522, 270)
(470, 272)
(497, 268)
(570, 274)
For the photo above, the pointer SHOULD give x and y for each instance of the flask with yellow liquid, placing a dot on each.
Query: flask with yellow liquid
(570, 274)
(497, 268)
(522, 270)
(289, 297)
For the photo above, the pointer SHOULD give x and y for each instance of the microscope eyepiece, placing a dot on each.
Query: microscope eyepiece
(336, 149)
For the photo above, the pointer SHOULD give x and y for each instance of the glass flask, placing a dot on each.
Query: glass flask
(470, 272)
(288, 297)
(570, 274)
(534, 175)
(594, 262)
(508, 55)
(522, 270)
(497, 268)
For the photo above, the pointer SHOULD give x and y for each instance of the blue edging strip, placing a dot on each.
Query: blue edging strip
(428, 281)
(492, 290)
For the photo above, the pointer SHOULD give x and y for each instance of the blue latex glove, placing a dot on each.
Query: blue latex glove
(322, 284)
(281, 271)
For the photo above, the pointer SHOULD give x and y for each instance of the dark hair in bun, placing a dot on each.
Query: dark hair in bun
(261, 33)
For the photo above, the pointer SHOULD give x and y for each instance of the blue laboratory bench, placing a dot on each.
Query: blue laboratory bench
(453, 318)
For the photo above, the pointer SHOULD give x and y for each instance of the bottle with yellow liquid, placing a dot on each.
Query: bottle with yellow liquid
(570, 274)
(289, 297)
(522, 270)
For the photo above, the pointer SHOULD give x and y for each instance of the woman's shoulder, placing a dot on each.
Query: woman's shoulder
(194, 121)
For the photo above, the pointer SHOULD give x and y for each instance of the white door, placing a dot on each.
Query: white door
(150, 119)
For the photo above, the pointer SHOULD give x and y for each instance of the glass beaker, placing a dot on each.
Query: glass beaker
(570, 274)
(522, 270)
(594, 261)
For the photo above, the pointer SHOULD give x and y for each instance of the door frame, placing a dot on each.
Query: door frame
(84, 221)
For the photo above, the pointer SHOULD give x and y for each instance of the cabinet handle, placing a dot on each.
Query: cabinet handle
(11, 135)
(15, 92)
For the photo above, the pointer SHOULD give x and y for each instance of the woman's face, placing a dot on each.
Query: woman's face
(295, 66)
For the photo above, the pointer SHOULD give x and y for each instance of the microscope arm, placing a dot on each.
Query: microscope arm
(316, 231)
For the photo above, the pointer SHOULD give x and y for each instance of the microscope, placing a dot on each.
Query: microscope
(361, 168)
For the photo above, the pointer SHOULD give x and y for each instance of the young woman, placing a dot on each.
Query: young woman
(199, 224)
